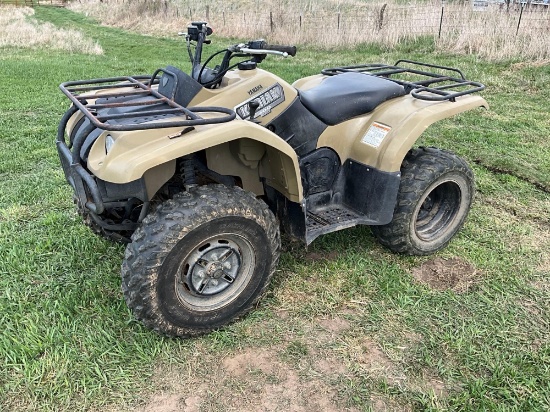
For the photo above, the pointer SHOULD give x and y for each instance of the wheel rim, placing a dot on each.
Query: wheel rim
(215, 272)
(437, 210)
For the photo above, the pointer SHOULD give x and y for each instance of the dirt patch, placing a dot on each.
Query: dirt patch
(250, 361)
(330, 366)
(165, 403)
(254, 380)
(435, 385)
(273, 386)
(334, 325)
(378, 364)
(381, 403)
(320, 256)
(373, 357)
(447, 274)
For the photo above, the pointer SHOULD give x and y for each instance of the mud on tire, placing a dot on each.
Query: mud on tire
(200, 260)
(435, 196)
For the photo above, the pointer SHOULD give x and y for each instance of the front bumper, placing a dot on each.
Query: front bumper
(83, 183)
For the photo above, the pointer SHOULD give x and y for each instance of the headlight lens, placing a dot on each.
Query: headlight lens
(109, 142)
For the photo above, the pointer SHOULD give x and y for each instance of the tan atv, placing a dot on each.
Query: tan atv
(195, 172)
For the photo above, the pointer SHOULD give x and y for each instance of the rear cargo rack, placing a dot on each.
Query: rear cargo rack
(127, 87)
(417, 80)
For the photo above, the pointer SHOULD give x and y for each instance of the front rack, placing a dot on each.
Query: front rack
(414, 77)
(139, 87)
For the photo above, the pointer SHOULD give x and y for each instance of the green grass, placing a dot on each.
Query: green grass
(68, 342)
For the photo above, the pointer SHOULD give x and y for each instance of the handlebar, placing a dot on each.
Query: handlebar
(257, 50)
(290, 50)
(259, 46)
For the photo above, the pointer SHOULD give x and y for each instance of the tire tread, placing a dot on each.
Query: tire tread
(420, 167)
(177, 217)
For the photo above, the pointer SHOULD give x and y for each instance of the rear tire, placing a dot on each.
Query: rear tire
(435, 196)
(200, 260)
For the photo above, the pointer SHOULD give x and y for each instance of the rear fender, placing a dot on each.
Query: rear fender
(382, 138)
(238, 148)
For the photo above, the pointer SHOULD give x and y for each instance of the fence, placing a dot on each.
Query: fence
(417, 20)
(32, 3)
(500, 31)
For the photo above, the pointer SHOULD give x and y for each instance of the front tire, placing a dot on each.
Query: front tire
(200, 261)
(122, 237)
(435, 196)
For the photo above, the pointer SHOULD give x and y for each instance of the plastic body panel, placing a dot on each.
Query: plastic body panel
(406, 117)
(136, 152)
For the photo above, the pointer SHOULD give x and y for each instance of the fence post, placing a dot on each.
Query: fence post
(441, 19)
(300, 21)
(207, 13)
(223, 16)
(519, 20)
(338, 21)
(381, 16)
(271, 21)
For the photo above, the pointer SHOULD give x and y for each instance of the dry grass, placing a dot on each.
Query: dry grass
(493, 34)
(490, 34)
(19, 29)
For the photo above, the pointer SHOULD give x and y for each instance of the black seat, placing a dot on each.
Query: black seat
(341, 97)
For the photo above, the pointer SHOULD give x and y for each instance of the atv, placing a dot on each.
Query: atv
(199, 172)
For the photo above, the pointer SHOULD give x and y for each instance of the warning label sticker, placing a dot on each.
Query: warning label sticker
(376, 134)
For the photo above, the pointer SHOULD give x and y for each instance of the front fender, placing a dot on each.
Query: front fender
(136, 152)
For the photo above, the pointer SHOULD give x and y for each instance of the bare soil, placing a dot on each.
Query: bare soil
(306, 370)
(248, 380)
(447, 274)
(320, 256)
(275, 378)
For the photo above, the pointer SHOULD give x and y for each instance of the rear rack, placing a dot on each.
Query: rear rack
(414, 77)
(79, 92)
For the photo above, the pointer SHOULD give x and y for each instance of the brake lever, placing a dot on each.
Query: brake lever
(261, 51)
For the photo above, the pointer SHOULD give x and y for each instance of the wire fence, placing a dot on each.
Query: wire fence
(496, 30)
(417, 20)
(33, 3)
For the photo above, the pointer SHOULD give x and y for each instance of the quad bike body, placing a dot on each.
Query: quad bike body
(195, 172)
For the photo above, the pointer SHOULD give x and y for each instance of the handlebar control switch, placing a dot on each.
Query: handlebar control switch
(257, 44)
(197, 27)
(193, 33)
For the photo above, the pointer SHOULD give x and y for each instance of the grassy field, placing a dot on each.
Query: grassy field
(346, 325)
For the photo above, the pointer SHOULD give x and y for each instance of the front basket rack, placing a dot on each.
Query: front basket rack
(417, 80)
(133, 93)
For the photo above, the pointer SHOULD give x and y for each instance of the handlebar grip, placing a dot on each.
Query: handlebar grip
(290, 50)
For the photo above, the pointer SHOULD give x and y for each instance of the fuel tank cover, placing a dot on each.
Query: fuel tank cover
(247, 65)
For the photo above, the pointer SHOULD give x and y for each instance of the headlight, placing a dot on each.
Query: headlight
(109, 142)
